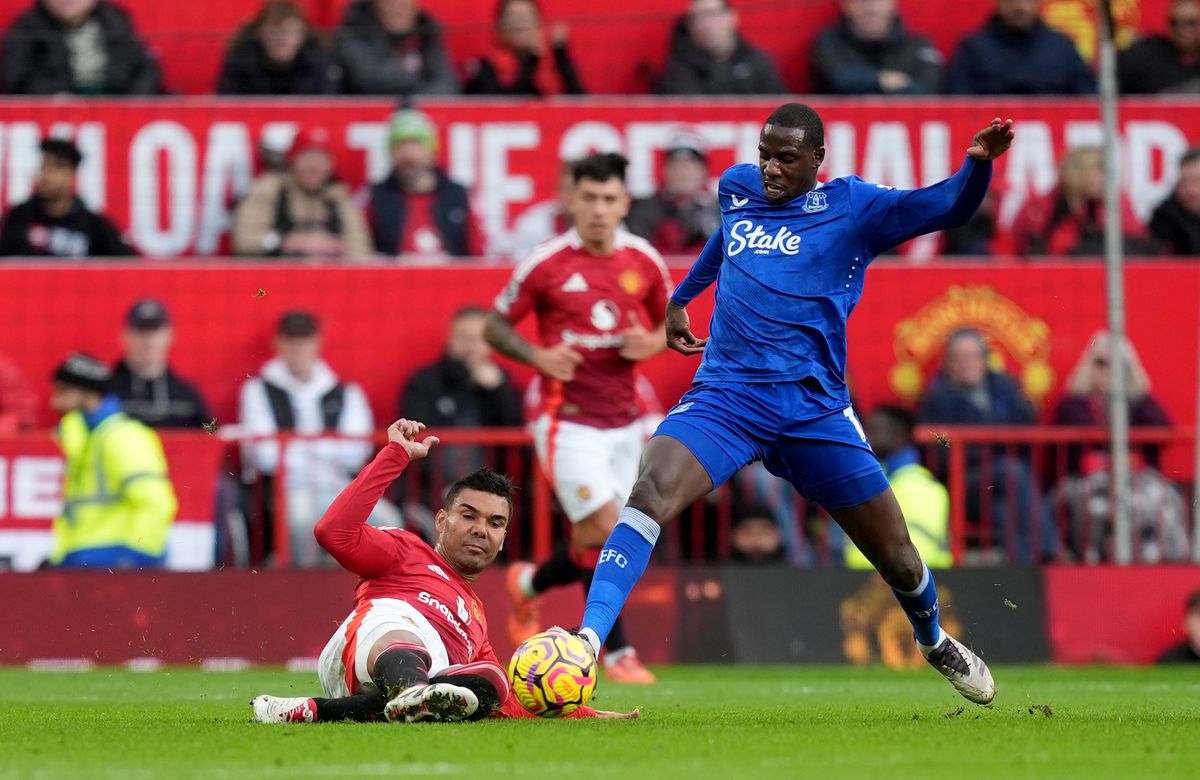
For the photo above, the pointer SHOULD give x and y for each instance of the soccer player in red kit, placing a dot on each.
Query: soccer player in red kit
(599, 294)
(416, 645)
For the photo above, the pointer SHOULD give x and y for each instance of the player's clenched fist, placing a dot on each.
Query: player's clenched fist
(557, 362)
(404, 432)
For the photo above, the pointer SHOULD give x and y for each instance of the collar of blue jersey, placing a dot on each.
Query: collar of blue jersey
(907, 456)
(107, 408)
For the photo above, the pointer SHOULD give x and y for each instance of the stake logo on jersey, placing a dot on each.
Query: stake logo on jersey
(745, 233)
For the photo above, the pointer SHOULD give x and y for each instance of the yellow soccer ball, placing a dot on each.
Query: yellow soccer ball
(553, 673)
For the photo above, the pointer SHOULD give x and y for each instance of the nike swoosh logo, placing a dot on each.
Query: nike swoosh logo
(738, 202)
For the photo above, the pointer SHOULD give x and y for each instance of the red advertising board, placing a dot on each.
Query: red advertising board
(168, 170)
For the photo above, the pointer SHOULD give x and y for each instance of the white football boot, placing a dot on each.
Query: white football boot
(437, 701)
(284, 709)
(966, 671)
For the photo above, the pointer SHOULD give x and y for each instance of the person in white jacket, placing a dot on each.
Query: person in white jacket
(297, 392)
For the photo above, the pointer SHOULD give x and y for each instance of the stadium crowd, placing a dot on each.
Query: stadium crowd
(297, 208)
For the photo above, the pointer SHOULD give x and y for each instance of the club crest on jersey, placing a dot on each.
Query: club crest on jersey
(630, 281)
(815, 201)
(745, 233)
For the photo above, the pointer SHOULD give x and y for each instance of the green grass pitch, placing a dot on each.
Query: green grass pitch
(697, 722)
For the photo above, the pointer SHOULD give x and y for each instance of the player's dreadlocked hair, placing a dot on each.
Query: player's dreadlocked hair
(485, 481)
(600, 167)
(801, 117)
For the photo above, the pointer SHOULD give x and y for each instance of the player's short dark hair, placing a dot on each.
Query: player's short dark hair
(1190, 156)
(801, 117)
(503, 5)
(600, 167)
(904, 420)
(745, 512)
(1193, 602)
(62, 149)
(485, 481)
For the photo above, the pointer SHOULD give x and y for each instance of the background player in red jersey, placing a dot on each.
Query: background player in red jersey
(594, 290)
(416, 646)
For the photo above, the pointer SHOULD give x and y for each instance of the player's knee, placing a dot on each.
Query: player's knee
(650, 499)
(902, 567)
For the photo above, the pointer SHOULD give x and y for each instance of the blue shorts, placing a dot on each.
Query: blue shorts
(825, 455)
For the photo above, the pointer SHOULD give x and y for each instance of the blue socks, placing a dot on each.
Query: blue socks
(622, 562)
(921, 606)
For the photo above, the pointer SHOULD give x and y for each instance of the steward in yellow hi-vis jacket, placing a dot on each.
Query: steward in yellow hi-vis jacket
(118, 503)
(924, 501)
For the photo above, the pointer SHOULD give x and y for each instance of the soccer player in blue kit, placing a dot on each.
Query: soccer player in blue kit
(789, 261)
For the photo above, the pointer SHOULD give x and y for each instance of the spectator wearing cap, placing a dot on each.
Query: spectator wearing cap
(418, 210)
(709, 56)
(1016, 53)
(297, 392)
(81, 47)
(392, 47)
(1167, 63)
(54, 222)
(278, 53)
(149, 390)
(679, 218)
(869, 52)
(302, 212)
(1176, 221)
(118, 503)
(525, 60)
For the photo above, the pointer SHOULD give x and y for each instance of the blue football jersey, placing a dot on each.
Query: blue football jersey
(791, 274)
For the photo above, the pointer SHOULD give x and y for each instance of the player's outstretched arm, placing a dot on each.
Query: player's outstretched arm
(343, 529)
(890, 217)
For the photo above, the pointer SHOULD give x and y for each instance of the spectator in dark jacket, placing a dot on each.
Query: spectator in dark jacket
(1016, 53)
(1176, 221)
(710, 57)
(149, 390)
(278, 53)
(466, 388)
(55, 222)
(417, 209)
(524, 62)
(1165, 63)
(392, 47)
(868, 52)
(969, 392)
(84, 47)
(681, 216)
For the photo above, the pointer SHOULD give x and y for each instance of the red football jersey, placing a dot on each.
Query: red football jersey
(586, 301)
(396, 564)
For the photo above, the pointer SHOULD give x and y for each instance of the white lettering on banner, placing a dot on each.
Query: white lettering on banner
(146, 186)
(935, 152)
(1082, 132)
(462, 153)
(21, 149)
(840, 138)
(1030, 170)
(34, 491)
(228, 171)
(370, 138)
(1153, 149)
(888, 156)
(37, 486)
(745, 233)
(499, 188)
(583, 138)
(608, 554)
(444, 611)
